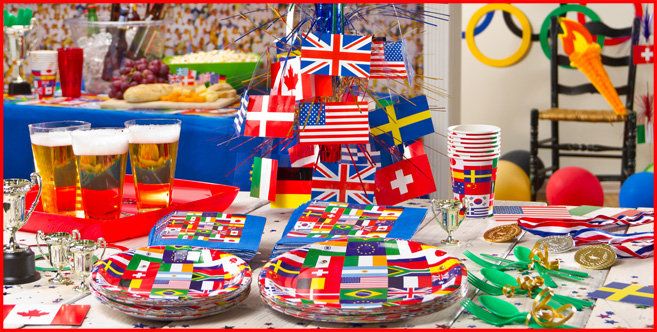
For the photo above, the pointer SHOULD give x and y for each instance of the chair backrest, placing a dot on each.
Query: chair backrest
(596, 28)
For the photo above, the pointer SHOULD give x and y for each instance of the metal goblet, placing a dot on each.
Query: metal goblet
(57, 253)
(448, 214)
(82, 260)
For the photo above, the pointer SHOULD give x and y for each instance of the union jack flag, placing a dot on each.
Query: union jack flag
(344, 183)
(336, 55)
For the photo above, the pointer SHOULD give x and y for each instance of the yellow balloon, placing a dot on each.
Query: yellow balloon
(511, 182)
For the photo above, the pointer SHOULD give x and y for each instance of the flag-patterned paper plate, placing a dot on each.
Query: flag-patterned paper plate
(176, 313)
(170, 275)
(363, 276)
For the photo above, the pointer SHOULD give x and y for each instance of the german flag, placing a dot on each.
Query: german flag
(293, 188)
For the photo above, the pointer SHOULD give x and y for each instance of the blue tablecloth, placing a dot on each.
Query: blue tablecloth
(200, 157)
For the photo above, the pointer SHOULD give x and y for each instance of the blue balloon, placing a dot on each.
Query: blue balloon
(637, 191)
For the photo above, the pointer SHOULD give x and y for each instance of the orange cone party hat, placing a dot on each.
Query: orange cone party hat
(585, 55)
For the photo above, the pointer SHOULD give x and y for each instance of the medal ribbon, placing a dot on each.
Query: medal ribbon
(596, 231)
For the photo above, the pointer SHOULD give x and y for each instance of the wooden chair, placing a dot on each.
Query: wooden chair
(627, 152)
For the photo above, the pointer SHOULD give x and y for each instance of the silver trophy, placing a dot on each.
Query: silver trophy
(82, 260)
(19, 40)
(58, 254)
(448, 214)
(18, 260)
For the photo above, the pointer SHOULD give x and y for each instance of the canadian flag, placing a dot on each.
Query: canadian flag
(287, 80)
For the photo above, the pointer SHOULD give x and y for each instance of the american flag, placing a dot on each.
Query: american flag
(336, 55)
(360, 154)
(388, 60)
(512, 213)
(343, 183)
(334, 123)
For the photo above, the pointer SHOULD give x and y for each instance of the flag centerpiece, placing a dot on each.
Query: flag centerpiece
(324, 136)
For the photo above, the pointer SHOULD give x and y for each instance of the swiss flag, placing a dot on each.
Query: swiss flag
(286, 80)
(404, 180)
(644, 54)
(270, 116)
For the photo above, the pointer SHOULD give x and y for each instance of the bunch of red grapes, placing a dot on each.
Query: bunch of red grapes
(135, 72)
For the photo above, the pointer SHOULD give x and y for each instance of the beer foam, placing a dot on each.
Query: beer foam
(153, 134)
(51, 139)
(99, 142)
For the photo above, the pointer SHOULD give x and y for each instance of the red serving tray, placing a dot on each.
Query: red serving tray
(187, 195)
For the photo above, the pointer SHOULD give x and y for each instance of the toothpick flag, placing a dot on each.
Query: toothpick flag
(404, 180)
(270, 116)
(343, 183)
(336, 55)
(387, 60)
(402, 122)
(263, 179)
(334, 123)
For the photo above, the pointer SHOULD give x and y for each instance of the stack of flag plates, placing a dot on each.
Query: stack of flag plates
(362, 280)
(171, 282)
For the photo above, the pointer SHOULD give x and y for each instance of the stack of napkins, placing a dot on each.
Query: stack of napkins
(237, 234)
(318, 221)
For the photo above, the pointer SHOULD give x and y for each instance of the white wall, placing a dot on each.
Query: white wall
(505, 96)
(442, 59)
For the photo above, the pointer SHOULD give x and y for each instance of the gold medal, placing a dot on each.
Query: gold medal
(502, 233)
(596, 257)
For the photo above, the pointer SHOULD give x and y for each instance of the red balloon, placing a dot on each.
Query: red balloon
(574, 186)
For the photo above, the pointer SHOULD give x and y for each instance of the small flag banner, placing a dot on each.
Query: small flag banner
(263, 179)
(405, 121)
(293, 187)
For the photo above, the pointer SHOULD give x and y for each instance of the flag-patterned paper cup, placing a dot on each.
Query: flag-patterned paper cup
(468, 151)
(473, 183)
(470, 131)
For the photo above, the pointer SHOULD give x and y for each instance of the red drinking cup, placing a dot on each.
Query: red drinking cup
(70, 60)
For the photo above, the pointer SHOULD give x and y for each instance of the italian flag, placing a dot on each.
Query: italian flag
(263, 179)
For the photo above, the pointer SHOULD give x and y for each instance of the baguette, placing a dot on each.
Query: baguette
(147, 92)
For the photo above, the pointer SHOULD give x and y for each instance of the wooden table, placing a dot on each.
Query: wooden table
(253, 313)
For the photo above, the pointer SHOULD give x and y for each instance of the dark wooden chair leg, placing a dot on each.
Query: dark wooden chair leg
(629, 147)
(555, 145)
(533, 153)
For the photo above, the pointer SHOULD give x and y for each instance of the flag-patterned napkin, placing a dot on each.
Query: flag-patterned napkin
(237, 234)
(318, 221)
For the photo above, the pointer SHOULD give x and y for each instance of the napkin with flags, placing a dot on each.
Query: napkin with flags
(318, 221)
(237, 234)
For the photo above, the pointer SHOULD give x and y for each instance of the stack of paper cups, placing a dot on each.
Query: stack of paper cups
(43, 64)
(473, 151)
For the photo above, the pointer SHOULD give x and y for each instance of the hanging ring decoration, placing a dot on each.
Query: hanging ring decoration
(508, 20)
(524, 44)
(638, 12)
(561, 10)
(484, 24)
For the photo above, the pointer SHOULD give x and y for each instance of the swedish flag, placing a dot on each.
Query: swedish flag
(402, 122)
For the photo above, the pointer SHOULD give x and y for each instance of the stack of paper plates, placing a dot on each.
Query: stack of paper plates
(362, 280)
(171, 282)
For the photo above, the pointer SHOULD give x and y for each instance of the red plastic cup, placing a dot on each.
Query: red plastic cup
(70, 60)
